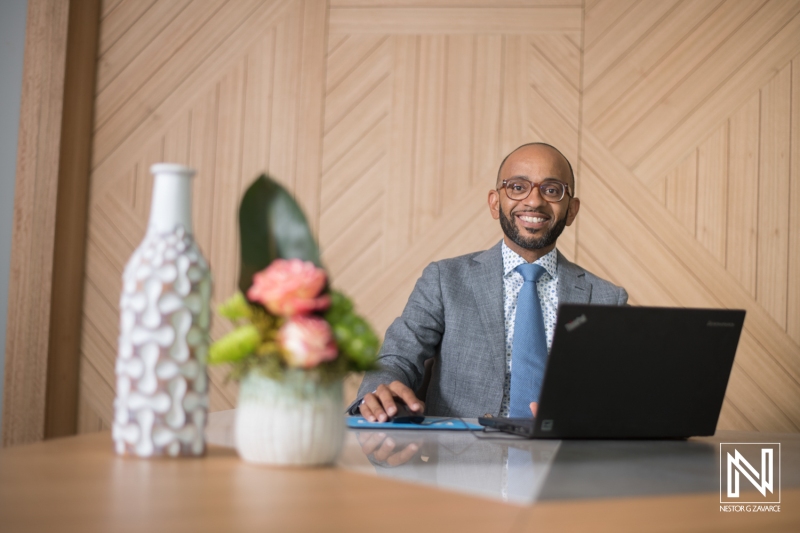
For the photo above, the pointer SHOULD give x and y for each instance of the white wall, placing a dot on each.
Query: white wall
(12, 44)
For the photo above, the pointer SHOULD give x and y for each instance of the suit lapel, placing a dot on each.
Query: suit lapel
(572, 285)
(487, 287)
(486, 279)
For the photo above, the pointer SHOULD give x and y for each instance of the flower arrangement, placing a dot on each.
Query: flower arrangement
(285, 313)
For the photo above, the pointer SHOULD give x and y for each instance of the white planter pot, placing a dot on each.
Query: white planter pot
(297, 421)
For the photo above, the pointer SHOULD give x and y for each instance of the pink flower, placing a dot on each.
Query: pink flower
(307, 341)
(290, 287)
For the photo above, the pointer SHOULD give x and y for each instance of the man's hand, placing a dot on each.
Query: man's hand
(534, 406)
(380, 405)
(385, 451)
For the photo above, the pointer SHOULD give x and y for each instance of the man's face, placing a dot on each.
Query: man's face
(530, 240)
(533, 224)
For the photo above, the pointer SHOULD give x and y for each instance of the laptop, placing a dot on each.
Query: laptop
(633, 373)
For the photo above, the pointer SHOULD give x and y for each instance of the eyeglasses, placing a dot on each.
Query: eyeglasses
(551, 190)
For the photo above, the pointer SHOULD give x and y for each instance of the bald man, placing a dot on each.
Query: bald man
(462, 311)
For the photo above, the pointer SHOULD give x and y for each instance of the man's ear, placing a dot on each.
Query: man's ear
(572, 210)
(494, 204)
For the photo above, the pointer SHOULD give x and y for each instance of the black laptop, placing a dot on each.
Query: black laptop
(633, 372)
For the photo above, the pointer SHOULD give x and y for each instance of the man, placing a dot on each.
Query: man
(464, 312)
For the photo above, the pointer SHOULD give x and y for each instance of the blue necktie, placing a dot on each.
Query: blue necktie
(529, 350)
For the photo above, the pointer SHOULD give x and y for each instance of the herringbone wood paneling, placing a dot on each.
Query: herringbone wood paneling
(230, 88)
(687, 177)
(415, 126)
(388, 119)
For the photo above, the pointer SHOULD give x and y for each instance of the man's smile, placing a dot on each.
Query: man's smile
(532, 220)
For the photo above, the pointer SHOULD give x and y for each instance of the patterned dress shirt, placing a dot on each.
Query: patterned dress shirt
(547, 287)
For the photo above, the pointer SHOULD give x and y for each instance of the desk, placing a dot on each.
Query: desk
(455, 483)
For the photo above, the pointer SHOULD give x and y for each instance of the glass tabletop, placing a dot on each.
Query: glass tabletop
(508, 468)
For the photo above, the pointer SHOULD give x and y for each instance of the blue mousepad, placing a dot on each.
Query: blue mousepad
(430, 422)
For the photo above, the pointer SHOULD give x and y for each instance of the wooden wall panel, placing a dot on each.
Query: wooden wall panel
(230, 88)
(773, 196)
(455, 20)
(763, 58)
(712, 193)
(453, 3)
(681, 192)
(793, 308)
(608, 87)
(416, 123)
(389, 118)
(49, 234)
(752, 194)
(121, 43)
(690, 127)
(743, 158)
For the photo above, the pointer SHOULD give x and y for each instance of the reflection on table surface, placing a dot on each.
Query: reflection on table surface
(509, 468)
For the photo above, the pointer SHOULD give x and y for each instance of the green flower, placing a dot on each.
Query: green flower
(235, 308)
(354, 336)
(235, 346)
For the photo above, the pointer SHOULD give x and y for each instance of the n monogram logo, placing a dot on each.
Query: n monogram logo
(740, 462)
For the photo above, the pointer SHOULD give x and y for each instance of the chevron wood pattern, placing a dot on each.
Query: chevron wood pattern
(415, 126)
(687, 175)
(388, 118)
(230, 88)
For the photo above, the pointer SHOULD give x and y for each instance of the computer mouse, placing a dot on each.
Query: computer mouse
(405, 415)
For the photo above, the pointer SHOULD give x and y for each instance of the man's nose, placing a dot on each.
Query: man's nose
(535, 199)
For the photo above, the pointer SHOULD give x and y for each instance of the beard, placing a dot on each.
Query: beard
(531, 243)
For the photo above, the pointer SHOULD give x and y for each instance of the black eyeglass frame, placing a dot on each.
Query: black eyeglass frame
(567, 190)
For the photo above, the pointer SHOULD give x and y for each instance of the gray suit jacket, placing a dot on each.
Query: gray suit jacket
(455, 315)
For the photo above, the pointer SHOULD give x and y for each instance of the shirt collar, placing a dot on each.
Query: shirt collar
(512, 260)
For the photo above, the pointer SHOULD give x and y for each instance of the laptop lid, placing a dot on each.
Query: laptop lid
(637, 372)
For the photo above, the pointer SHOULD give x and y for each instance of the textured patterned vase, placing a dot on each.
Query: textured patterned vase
(295, 421)
(162, 386)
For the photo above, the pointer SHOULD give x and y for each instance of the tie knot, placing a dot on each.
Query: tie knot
(531, 271)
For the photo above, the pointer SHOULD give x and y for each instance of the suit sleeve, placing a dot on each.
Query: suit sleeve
(412, 338)
(623, 297)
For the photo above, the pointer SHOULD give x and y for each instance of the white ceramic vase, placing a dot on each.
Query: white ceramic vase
(296, 421)
(162, 386)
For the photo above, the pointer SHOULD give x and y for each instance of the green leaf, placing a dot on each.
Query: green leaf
(271, 226)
